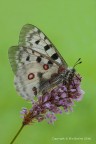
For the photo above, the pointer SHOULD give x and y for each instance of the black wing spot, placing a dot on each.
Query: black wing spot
(38, 59)
(34, 90)
(54, 56)
(45, 38)
(49, 62)
(28, 58)
(37, 41)
(40, 75)
(46, 47)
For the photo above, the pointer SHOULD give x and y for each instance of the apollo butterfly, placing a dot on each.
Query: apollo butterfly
(37, 64)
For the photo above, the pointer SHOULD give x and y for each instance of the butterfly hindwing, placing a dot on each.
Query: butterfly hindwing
(29, 78)
(25, 65)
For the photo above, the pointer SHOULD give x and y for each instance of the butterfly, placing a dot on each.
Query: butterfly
(37, 64)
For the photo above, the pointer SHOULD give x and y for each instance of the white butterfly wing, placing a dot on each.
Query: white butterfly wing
(32, 37)
(33, 61)
(25, 86)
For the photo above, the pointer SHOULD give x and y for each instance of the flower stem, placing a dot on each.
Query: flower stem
(17, 134)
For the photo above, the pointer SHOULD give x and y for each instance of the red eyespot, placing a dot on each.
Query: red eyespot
(31, 76)
(46, 67)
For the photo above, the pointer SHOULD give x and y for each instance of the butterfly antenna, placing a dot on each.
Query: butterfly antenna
(77, 62)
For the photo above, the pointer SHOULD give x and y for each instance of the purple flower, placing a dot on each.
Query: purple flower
(50, 117)
(24, 111)
(48, 105)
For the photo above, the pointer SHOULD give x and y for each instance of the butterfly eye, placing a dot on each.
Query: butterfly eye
(46, 67)
(31, 76)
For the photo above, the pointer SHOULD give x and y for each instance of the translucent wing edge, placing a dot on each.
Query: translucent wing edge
(13, 56)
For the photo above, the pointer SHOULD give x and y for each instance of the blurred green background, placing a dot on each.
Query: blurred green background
(71, 26)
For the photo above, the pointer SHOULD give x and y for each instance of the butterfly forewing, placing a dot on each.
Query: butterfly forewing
(31, 36)
(34, 62)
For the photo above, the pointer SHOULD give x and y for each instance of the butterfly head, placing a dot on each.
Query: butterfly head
(70, 72)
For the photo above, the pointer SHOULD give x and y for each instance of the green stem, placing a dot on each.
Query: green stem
(17, 134)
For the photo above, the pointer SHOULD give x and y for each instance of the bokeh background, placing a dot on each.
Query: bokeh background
(71, 26)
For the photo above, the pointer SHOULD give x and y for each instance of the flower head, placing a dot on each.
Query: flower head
(60, 98)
